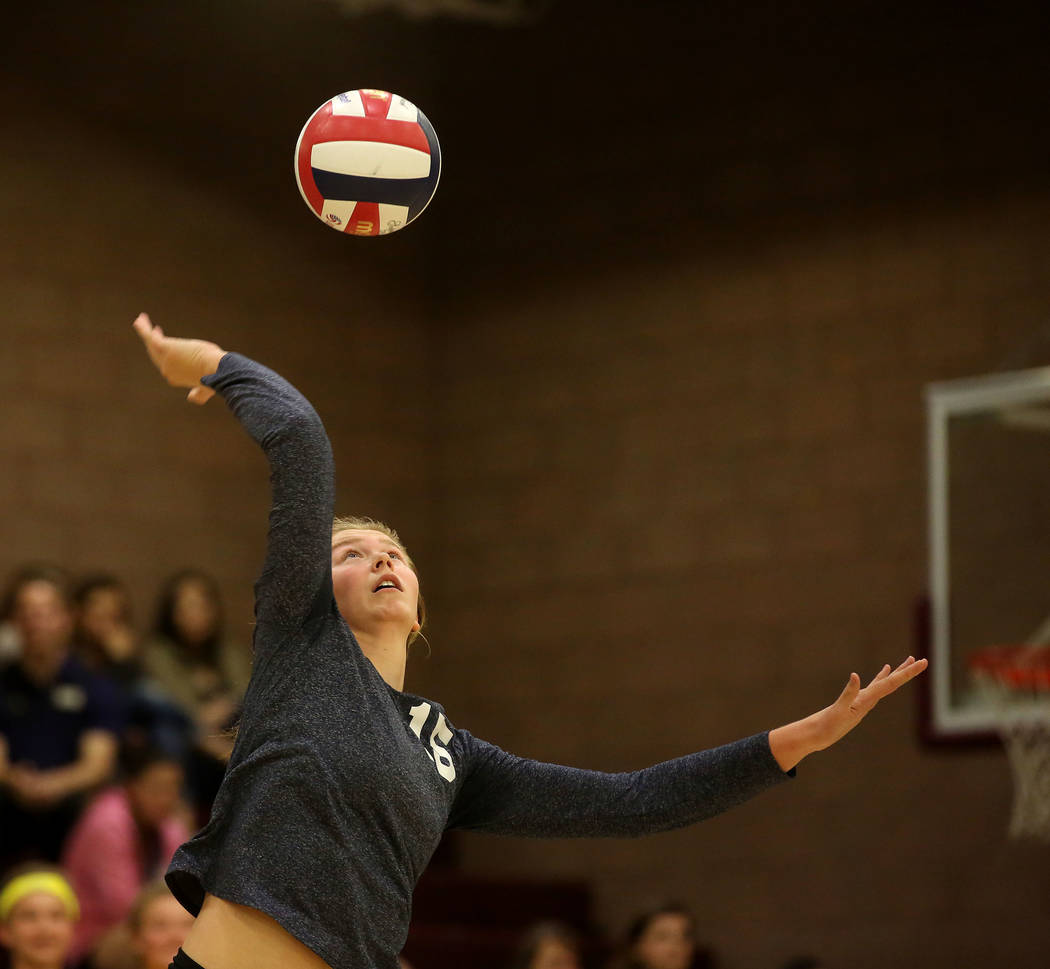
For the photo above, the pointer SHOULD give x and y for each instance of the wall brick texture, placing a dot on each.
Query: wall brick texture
(655, 509)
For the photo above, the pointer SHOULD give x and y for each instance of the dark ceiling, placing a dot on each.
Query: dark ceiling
(598, 131)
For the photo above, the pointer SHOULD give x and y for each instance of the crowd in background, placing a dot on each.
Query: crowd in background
(112, 748)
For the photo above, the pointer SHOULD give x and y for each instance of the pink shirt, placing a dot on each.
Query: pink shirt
(104, 863)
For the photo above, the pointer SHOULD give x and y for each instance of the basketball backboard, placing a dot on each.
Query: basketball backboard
(988, 442)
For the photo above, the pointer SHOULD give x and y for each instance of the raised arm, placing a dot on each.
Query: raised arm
(296, 574)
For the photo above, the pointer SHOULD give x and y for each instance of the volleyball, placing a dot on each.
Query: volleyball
(367, 162)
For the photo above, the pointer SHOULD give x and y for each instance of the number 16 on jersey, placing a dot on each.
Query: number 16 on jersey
(441, 734)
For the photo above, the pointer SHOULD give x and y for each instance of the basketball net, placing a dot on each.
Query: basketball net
(1016, 680)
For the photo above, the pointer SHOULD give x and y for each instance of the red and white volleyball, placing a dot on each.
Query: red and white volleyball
(367, 162)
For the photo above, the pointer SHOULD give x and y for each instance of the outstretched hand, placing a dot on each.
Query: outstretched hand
(789, 744)
(181, 362)
(854, 703)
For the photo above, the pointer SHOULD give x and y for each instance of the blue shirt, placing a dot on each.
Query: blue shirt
(43, 724)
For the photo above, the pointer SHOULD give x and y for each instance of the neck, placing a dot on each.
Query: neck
(388, 653)
(42, 666)
(20, 961)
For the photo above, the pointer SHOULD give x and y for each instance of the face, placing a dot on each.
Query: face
(374, 586)
(164, 927)
(38, 931)
(194, 613)
(102, 612)
(43, 619)
(155, 793)
(666, 943)
(553, 954)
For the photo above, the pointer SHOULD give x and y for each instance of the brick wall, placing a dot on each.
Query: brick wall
(677, 505)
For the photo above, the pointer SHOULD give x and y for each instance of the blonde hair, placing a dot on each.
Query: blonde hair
(342, 523)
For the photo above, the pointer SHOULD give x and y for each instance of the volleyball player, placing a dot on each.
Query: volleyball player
(341, 784)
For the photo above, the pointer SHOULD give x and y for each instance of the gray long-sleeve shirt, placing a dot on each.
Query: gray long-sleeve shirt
(339, 787)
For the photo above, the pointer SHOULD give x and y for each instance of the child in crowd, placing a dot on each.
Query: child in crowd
(548, 945)
(151, 934)
(662, 938)
(38, 912)
(125, 838)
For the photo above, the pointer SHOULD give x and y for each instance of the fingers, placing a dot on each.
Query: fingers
(850, 691)
(910, 669)
(886, 682)
(881, 675)
(153, 337)
(200, 395)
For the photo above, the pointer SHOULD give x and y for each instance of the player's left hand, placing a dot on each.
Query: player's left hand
(855, 703)
(794, 741)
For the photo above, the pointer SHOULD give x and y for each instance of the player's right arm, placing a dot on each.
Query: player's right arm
(296, 574)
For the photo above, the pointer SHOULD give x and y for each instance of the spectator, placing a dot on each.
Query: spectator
(190, 655)
(125, 839)
(663, 938)
(205, 673)
(149, 937)
(105, 642)
(59, 723)
(103, 635)
(38, 910)
(548, 945)
(159, 925)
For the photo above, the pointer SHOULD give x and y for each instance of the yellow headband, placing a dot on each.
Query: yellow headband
(38, 881)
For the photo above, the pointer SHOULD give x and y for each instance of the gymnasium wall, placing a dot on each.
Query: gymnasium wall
(656, 444)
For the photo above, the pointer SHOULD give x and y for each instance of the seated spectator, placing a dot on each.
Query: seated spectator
(190, 655)
(125, 839)
(103, 635)
(154, 930)
(663, 938)
(548, 945)
(38, 910)
(205, 673)
(106, 643)
(59, 723)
